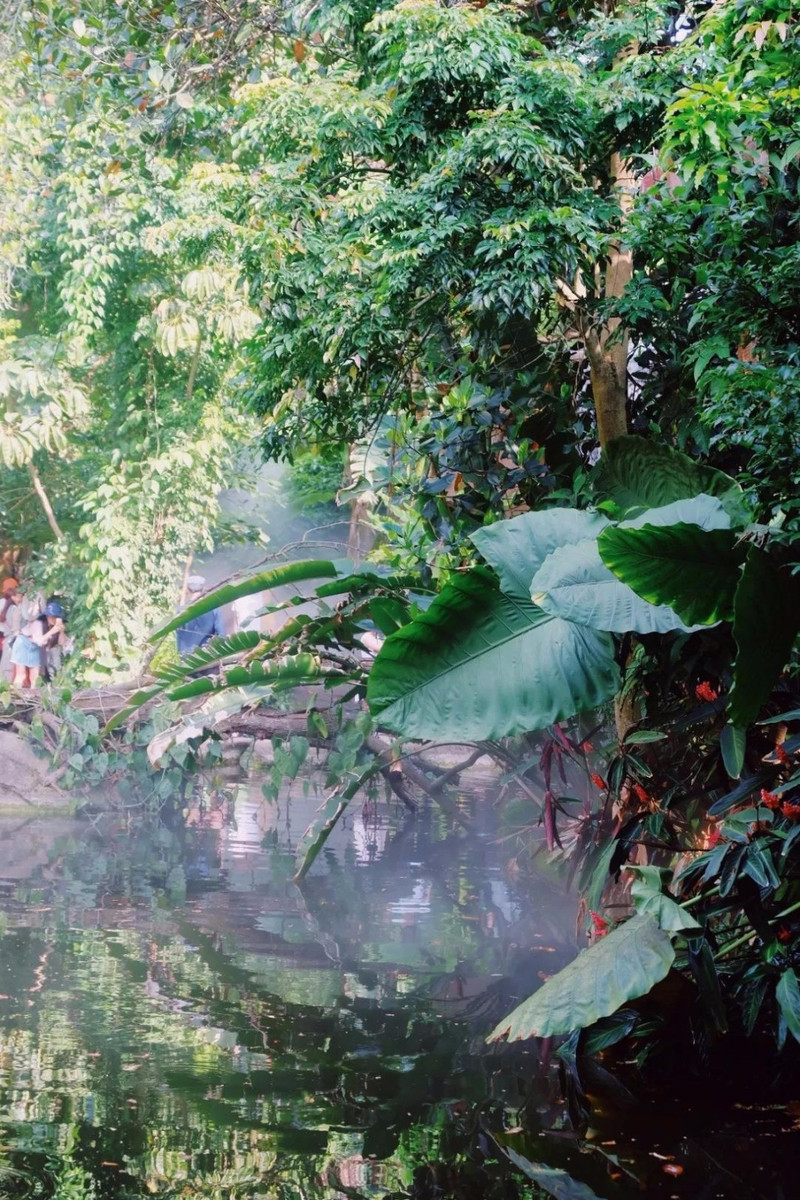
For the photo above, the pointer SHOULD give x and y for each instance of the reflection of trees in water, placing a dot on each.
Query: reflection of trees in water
(218, 1030)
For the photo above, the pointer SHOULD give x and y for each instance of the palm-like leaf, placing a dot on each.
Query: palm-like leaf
(295, 572)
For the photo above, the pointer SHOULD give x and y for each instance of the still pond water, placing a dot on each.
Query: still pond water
(178, 1018)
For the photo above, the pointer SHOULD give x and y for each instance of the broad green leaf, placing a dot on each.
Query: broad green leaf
(706, 511)
(295, 572)
(642, 737)
(732, 744)
(517, 548)
(787, 993)
(480, 664)
(693, 570)
(650, 899)
(623, 965)
(766, 621)
(574, 583)
(637, 473)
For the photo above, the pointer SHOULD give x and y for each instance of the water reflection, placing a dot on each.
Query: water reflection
(177, 1018)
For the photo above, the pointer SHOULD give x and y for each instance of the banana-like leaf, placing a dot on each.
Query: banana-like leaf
(517, 548)
(294, 572)
(215, 651)
(766, 621)
(552, 1181)
(695, 571)
(621, 966)
(289, 672)
(481, 664)
(637, 474)
(135, 702)
(327, 818)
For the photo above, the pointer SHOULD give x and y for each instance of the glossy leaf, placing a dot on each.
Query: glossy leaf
(621, 966)
(481, 664)
(787, 993)
(766, 621)
(732, 744)
(694, 571)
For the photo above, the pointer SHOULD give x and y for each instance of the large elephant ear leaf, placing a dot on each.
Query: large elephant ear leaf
(480, 664)
(517, 548)
(766, 621)
(574, 583)
(637, 474)
(621, 966)
(695, 571)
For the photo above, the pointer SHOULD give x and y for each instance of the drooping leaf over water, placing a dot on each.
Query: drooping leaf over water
(621, 966)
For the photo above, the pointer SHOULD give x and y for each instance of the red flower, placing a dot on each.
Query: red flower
(704, 691)
(714, 838)
(599, 923)
(599, 782)
(770, 800)
(641, 794)
(784, 934)
(790, 810)
(781, 754)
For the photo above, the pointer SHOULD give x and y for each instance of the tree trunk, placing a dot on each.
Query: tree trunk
(609, 363)
(44, 499)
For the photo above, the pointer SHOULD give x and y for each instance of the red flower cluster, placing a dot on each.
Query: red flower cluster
(704, 691)
(786, 808)
(599, 782)
(641, 794)
(600, 924)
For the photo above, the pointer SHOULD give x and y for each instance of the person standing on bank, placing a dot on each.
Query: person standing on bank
(12, 623)
(199, 630)
(34, 638)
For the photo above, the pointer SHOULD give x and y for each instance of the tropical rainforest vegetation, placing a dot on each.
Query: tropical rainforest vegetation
(530, 272)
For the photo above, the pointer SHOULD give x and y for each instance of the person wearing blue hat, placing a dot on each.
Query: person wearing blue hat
(33, 641)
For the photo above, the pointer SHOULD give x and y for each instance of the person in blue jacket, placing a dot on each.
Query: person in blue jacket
(199, 630)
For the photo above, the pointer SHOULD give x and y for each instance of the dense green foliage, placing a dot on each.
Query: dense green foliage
(532, 274)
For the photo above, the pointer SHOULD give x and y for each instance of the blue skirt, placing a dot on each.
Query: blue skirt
(26, 653)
